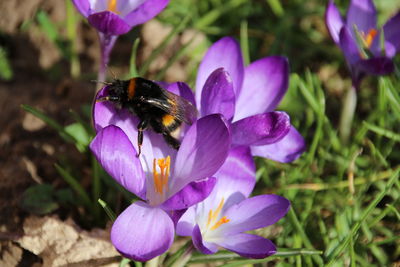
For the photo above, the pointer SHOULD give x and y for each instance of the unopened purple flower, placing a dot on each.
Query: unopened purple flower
(360, 40)
(112, 18)
(165, 179)
(116, 17)
(222, 219)
(247, 97)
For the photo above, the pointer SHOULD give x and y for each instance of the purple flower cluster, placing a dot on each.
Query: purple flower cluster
(360, 39)
(202, 190)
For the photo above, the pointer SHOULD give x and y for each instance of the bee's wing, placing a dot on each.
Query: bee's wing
(176, 106)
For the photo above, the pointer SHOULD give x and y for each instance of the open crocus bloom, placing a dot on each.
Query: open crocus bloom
(222, 218)
(116, 17)
(165, 179)
(247, 97)
(360, 39)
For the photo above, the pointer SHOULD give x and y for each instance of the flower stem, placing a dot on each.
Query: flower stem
(106, 45)
(181, 262)
(346, 118)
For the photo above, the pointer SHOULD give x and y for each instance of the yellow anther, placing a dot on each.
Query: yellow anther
(112, 6)
(220, 222)
(213, 215)
(369, 37)
(161, 178)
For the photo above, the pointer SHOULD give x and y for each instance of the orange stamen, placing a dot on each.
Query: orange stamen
(369, 38)
(220, 222)
(161, 178)
(213, 215)
(112, 6)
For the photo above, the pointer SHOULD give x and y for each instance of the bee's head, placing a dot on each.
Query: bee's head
(116, 91)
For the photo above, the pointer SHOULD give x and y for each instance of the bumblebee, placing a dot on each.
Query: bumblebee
(156, 107)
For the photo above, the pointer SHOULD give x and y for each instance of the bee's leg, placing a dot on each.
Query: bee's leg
(172, 141)
(141, 127)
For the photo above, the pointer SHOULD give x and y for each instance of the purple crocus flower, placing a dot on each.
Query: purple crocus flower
(116, 17)
(359, 39)
(247, 97)
(222, 218)
(112, 18)
(165, 179)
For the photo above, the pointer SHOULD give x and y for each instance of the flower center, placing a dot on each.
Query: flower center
(212, 222)
(112, 6)
(369, 37)
(161, 178)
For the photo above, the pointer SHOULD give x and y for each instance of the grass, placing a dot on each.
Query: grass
(345, 207)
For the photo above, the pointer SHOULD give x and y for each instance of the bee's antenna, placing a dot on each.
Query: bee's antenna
(112, 73)
(105, 83)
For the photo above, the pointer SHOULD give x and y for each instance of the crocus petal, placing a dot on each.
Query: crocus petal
(226, 54)
(261, 129)
(116, 154)
(183, 90)
(236, 175)
(191, 194)
(265, 83)
(249, 246)
(334, 21)
(256, 212)
(349, 46)
(362, 14)
(217, 95)
(83, 7)
(109, 23)
(391, 31)
(286, 150)
(186, 222)
(376, 66)
(146, 11)
(142, 232)
(202, 152)
(200, 245)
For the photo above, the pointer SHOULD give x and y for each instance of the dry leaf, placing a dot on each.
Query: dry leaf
(61, 243)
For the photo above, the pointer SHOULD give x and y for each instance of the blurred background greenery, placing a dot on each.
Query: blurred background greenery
(345, 197)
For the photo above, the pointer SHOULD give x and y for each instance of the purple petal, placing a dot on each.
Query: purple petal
(236, 175)
(391, 31)
(362, 14)
(148, 10)
(218, 95)
(200, 245)
(256, 212)
(202, 151)
(334, 21)
(286, 150)
(249, 246)
(116, 154)
(376, 66)
(105, 114)
(226, 54)
(186, 222)
(261, 129)
(183, 90)
(349, 46)
(109, 23)
(142, 232)
(265, 83)
(175, 215)
(191, 194)
(83, 7)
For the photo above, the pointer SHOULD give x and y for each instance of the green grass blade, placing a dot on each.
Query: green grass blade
(77, 187)
(343, 244)
(49, 121)
(107, 209)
